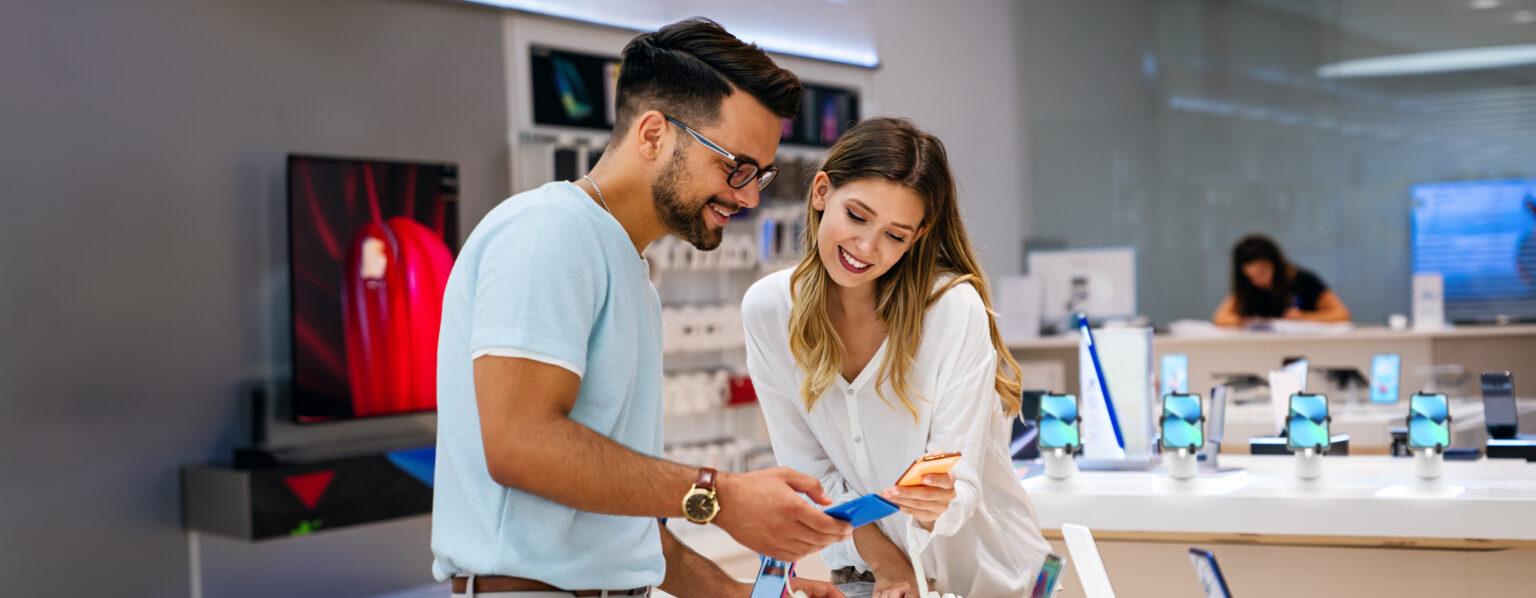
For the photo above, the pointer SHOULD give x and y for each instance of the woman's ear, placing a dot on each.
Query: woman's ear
(820, 187)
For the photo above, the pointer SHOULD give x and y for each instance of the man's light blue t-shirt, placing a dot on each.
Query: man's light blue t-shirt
(548, 275)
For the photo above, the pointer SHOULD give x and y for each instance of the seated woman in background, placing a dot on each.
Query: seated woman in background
(1267, 287)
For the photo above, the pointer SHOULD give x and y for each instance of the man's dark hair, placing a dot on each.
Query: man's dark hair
(687, 69)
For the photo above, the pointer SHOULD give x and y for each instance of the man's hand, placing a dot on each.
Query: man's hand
(763, 511)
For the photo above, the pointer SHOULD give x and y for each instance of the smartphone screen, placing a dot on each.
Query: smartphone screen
(1175, 374)
(772, 577)
(1307, 422)
(1211, 580)
(1386, 370)
(1499, 404)
(1429, 424)
(1182, 424)
(1058, 422)
(1045, 582)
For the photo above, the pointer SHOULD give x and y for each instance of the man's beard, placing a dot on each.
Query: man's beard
(681, 219)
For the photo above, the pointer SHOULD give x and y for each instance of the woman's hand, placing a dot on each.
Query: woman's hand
(891, 588)
(924, 503)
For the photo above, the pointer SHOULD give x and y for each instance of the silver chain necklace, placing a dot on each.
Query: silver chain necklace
(599, 190)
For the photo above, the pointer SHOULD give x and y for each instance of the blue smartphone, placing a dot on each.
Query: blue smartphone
(1045, 582)
(1183, 424)
(1386, 371)
(1429, 421)
(1059, 422)
(772, 578)
(863, 510)
(1306, 423)
(1211, 579)
(1175, 377)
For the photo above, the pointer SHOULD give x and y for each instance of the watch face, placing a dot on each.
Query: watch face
(699, 506)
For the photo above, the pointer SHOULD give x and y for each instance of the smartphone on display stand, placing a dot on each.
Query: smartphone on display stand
(1386, 373)
(1429, 422)
(1307, 422)
(1175, 374)
(1211, 579)
(1059, 423)
(1499, 408)
(1183, 423)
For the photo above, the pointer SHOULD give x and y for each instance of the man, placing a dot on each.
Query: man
(549, 374)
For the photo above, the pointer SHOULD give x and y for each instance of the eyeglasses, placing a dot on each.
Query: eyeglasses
(743, 173)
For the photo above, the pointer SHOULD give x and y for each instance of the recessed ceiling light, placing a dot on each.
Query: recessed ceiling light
(1524, 16)
(1485, 4)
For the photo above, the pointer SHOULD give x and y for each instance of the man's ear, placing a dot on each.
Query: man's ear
(648, 134)
(821, 186)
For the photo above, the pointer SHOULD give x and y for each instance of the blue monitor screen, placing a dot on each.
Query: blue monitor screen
(1058, 422)
(1307, 422)
(1182, 427)
(1429, 423)
(1481, 237)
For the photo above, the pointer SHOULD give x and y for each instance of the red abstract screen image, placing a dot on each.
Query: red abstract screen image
(371, 244)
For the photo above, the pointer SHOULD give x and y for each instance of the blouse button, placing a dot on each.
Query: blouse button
(858, 439)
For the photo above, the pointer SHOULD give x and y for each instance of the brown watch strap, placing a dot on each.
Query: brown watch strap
(706, 479)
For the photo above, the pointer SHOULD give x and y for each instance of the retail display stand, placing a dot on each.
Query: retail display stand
(1428, 463)
(1309, 464)
(1182, 463)
(1060, 463)
(297, 499)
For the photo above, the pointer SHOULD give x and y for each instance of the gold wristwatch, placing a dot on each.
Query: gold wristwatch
(701, 504)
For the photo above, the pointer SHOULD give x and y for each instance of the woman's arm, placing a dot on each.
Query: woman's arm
(1226, 313)
(882, 555)
(1330, 308)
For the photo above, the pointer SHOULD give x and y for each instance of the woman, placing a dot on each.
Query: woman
(1265, 287)
(880, 347)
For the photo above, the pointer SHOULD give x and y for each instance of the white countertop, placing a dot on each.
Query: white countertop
(1360, 496)
(1360, 333)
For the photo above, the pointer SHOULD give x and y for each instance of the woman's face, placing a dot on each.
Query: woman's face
(866, 226)
(1261, 273)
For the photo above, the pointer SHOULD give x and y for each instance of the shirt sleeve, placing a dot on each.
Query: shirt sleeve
(1308, 288)
(772, 368)
(540, 284)
(965, 409)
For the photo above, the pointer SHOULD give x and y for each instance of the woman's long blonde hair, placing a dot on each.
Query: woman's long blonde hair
(895, 150)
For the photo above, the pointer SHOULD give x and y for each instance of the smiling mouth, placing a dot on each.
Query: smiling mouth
(851, 263)
(721, 211)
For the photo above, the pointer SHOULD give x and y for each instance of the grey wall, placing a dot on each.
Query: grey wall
(1177, 126)
(954, 69)
(141, 166)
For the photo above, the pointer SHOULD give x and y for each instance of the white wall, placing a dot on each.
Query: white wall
(954, 69)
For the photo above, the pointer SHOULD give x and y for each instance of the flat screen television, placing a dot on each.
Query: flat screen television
(370, 246)
(1480, 236)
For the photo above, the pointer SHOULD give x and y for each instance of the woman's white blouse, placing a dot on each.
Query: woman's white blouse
(988, 542)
